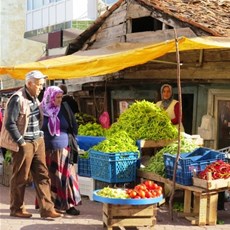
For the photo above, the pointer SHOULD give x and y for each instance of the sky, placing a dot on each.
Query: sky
(110, 1)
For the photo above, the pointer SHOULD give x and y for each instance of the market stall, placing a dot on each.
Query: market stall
(202, 209)
(129, 207)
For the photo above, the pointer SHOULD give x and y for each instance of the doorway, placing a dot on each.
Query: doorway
(219, 108)
(223, 123)
(187, 111)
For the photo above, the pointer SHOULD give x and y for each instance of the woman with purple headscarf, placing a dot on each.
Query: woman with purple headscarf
(64, 181)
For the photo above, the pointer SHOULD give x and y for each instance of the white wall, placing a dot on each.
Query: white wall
(14, 49)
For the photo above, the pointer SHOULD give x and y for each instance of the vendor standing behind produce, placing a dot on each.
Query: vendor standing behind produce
(170, 105)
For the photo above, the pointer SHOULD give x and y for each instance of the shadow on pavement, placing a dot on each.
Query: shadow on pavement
(62, 226)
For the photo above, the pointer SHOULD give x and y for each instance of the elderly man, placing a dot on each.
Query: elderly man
(22, 135)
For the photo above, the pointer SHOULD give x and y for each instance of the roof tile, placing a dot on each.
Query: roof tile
(211, 14)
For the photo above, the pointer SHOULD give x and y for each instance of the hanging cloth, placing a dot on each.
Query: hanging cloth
(104, 118)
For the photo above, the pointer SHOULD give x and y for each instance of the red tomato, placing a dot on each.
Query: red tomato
(128, 191)
(154, 186)
(148, 194)
(133, 194)
(149, 184)
(154, 194)
(143, 187)
(141, 193)
(137, 187)
(158, 192)
(160, 188)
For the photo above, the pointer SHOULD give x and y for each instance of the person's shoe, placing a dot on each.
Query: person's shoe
(50, 214)
(59, 211)
(72, 211)
(21, 214)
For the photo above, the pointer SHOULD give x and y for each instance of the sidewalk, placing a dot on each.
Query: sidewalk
(90, 217)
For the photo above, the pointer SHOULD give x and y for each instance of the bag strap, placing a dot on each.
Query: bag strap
(69, 116)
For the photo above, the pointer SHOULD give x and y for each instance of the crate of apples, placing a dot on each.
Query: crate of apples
(147, 189)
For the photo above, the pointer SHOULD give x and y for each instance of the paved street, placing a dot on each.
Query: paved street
(90, 217)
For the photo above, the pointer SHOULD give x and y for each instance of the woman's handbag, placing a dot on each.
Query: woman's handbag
(73, 146)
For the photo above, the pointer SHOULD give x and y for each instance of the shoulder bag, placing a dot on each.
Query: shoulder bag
(73, 146)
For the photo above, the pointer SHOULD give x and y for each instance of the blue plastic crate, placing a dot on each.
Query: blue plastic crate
(87, 142)
(113, 167)
(187, 163)
(84, 168)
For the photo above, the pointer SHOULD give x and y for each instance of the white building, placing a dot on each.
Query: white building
(46, 20)
(27, 26)
(14, 49)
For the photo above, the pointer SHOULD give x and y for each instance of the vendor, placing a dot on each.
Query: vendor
(170, 105)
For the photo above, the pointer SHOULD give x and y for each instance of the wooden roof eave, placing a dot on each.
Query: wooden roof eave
(78, 43)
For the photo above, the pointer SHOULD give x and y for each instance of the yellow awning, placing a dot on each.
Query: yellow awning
(110, 59)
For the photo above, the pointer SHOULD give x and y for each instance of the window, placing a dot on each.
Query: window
(29, 5)
(146, 24)
(36, 4)
(46, 2)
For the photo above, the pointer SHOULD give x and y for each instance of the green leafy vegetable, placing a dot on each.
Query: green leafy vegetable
(83, 118)
(117, 143)
(91, 129)
(145, 120)
(113, 193)
(156, 162)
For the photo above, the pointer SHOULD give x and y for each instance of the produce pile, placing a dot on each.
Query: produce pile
(156, 162)
(117, 143)
(91, 129)
(113, 193)
(145, 190)
(145, 120)
(83, 118)
(142, 120)
(148, 189)
(8, 156)
(84, 155)
(218, 169)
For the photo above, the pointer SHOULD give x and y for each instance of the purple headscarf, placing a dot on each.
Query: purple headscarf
(51, 110)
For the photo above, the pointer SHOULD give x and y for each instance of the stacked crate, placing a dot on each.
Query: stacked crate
(113, 167)
(86, 183)
(189, 163)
